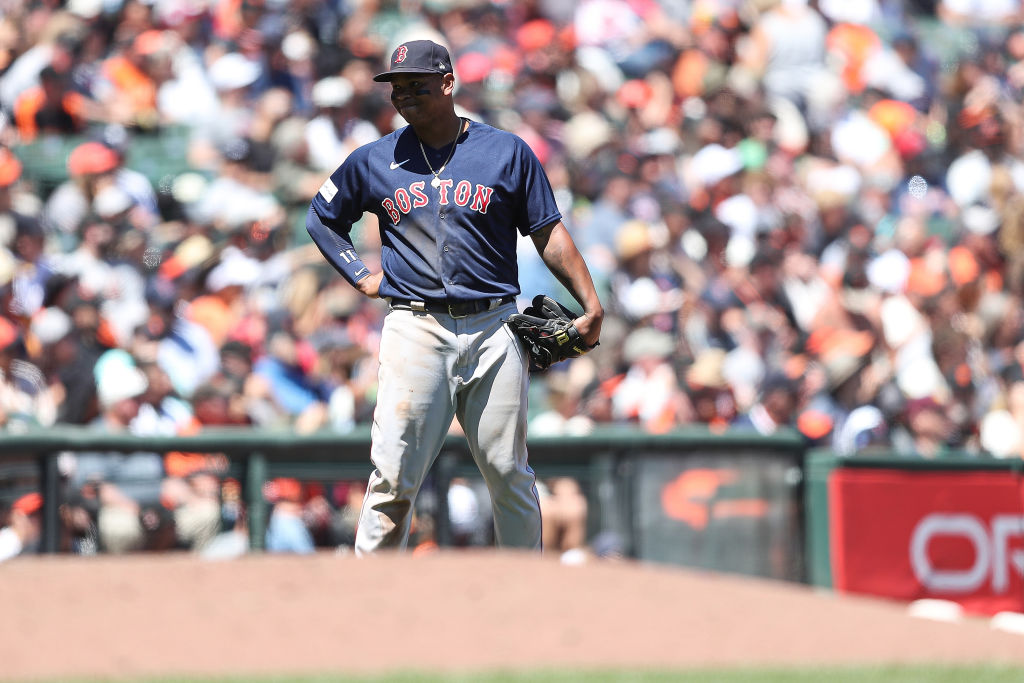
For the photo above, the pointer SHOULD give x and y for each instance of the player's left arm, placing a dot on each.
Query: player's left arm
(337, 248)
(558, 251)
(335, 208)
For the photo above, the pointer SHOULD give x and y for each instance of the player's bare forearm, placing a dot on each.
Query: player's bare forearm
(370, 285)
(563, 259)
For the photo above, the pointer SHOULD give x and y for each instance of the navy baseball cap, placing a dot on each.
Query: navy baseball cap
(417, 57)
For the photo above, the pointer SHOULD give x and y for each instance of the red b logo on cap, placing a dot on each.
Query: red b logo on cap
(401, 53)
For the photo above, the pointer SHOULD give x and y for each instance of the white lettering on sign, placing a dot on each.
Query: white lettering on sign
(993, 556)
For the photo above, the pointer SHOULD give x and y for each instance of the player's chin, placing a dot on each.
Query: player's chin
(410, 114)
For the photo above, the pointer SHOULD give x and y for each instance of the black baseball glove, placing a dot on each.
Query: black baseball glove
(545, 328)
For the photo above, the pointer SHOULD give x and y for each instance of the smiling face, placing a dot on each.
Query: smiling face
(420, 98)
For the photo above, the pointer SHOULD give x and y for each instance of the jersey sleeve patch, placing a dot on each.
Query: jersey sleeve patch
(328, 190)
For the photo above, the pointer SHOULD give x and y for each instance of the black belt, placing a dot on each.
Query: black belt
(456, 309)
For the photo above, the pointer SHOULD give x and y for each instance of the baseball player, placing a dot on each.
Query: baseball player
(451, 196)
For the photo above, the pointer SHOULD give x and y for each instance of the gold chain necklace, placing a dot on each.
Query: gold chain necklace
(436, 182)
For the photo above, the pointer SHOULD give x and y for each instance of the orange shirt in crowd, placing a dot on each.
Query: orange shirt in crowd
(32, 101)
(215, 315)
(855, 44)
(132, 83)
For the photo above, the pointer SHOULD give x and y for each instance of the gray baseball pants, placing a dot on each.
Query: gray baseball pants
(433, 367)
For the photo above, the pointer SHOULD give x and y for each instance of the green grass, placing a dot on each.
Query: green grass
(984, 673)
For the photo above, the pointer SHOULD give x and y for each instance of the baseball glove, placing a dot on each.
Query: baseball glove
(545, 328)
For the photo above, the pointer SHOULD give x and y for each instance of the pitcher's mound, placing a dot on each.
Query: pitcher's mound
(450, 611)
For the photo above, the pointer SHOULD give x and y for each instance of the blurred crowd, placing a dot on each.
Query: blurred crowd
(801, 214)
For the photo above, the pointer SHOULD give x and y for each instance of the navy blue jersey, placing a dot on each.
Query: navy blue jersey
(456, 241)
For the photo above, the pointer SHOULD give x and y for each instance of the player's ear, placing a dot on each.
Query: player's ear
(448, 84)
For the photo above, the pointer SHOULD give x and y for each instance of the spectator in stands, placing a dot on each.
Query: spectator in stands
(46, 344)
(777, 406)
(469, 523)
(980, 13)
(23, 529)
(191, 488)
(90, 166)
(287, 531)
(347, 499)
(786, 51)
(648, 394)
(184, 94)
(38, 269)
(212, 407)
(10, 173)
(564, 514)
(221, 308)
(929, 428)
(78, 351)
(26, 268)
(232, 76)
(1001, 429)
(191, 492)
(161, 410)
(645, 289)
(120, 490)
(562, 414)
(337, 129)
(26, 400)
(340, 366)
(285, 377)
(55, 44)
(599, 230)
(130, 77)
(182, 348)
(142, 499)
(237, 198)
(51, 108)
(295, 178)
(711, 399)
(235, 382)
(143, 212)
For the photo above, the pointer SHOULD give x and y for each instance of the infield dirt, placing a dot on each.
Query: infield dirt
(449, 611)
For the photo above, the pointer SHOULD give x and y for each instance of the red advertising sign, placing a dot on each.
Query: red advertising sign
(954, 535)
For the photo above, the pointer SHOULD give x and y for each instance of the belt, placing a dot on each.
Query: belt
(456, 309)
